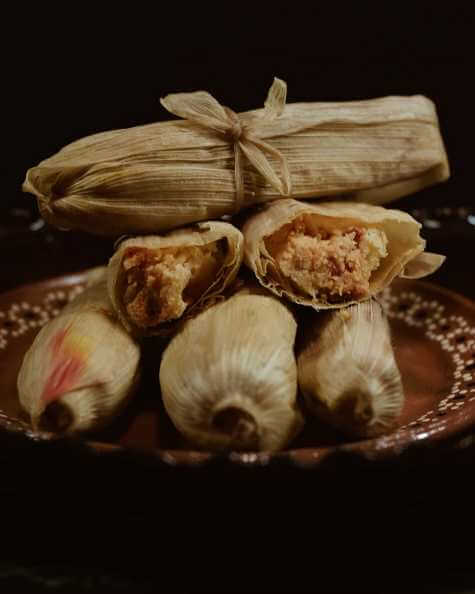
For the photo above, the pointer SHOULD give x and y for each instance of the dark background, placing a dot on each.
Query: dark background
(48, 102)
(74, 523)
(43, 114)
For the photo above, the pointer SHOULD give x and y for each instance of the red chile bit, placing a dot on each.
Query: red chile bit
(335, 266)
(359, 232)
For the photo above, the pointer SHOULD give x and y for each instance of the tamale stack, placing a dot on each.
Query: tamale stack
(215, 162)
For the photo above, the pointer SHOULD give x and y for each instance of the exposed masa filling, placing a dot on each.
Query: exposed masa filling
(160, 284)
(334, 265)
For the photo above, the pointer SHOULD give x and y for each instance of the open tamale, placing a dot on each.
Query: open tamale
(331, 254)
(214, 162)
(154, 280)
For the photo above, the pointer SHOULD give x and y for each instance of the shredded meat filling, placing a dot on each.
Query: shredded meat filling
(161, 284)
(334, 265)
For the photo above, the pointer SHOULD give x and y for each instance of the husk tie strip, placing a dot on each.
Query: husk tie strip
(202, 108)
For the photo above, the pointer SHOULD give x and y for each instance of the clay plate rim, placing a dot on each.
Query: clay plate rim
(382, 448)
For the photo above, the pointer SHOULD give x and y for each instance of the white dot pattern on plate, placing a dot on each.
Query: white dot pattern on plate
(454, 335)
(22, 317)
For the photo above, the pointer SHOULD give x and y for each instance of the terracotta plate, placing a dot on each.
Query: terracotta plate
(434, 339)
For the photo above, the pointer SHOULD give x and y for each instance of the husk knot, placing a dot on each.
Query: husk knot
(201, 108)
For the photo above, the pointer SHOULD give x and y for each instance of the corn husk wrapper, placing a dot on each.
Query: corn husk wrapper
(197, 235)
(405, 247)
(82, 367)
(228, 378)
(347, 371)
(214, 162)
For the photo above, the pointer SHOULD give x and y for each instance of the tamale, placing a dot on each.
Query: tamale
(214, 162)
(228, 378)
(155, 280)
(332, 254)
(347, 371)
(82, 367)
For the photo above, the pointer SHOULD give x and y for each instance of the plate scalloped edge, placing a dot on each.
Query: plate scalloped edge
(412, 302)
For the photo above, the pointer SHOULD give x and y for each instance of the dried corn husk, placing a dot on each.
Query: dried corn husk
(214, 162)
(404, 248)
(229, 379)
(156, 295)
(347, 371)
(82, 366)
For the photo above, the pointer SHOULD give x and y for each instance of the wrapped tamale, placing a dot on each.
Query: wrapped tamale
(228, 378)
(82, 367)
(155, 280)
(214, 162)
(347, 371)
(332, 254)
